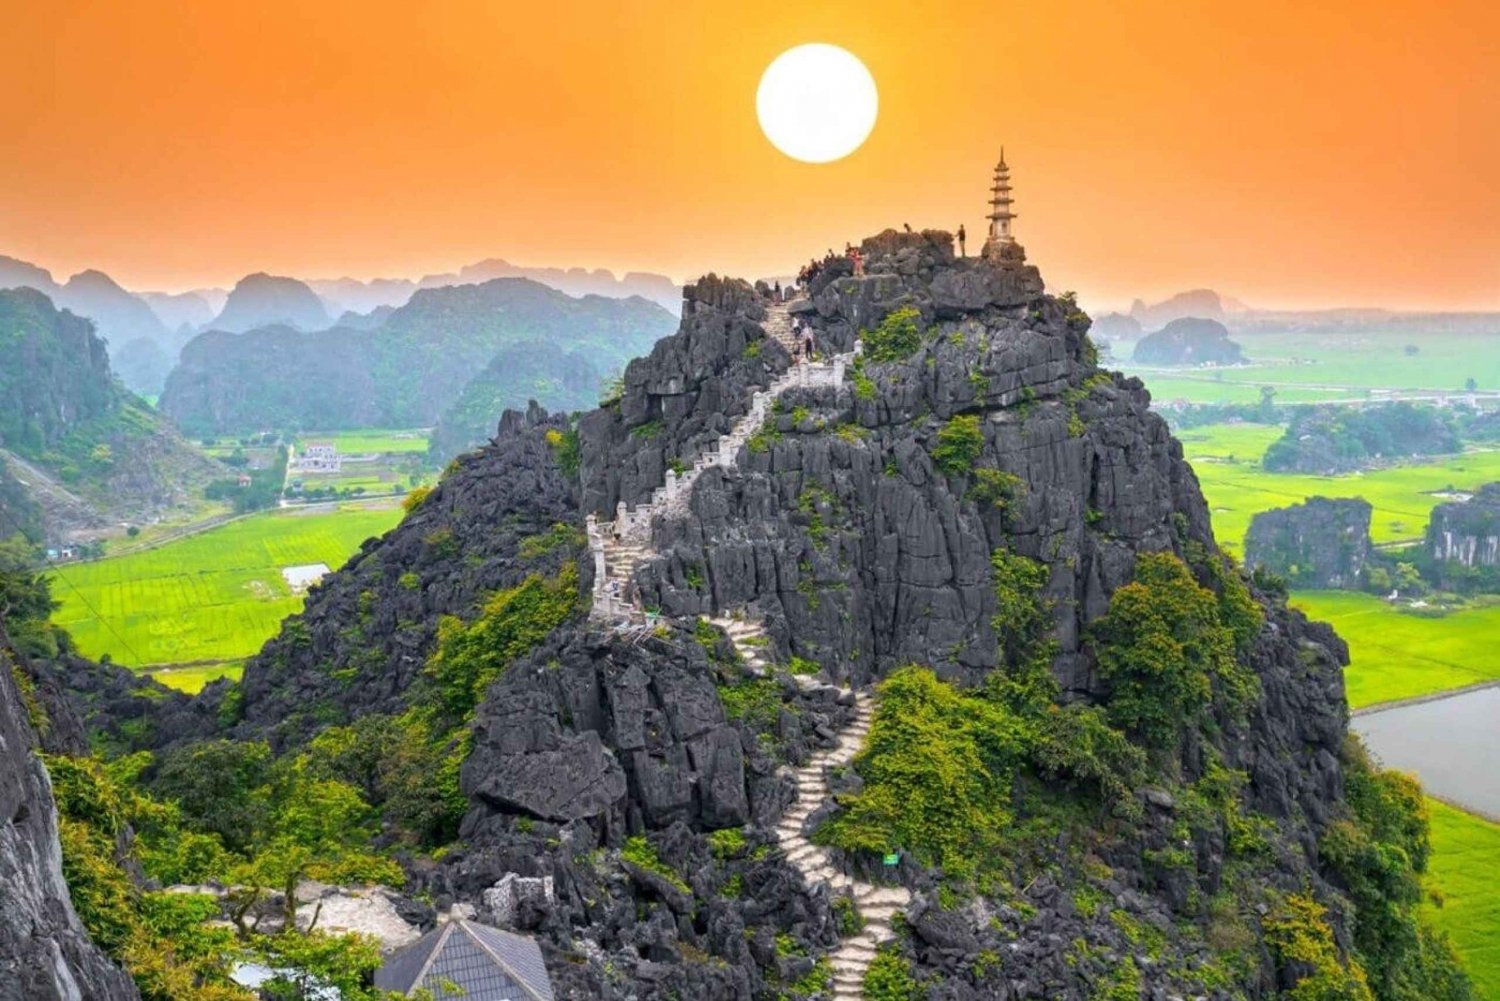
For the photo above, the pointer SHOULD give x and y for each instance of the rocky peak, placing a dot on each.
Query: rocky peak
(261, 300)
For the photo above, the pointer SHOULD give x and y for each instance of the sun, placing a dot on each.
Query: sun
(817, 102)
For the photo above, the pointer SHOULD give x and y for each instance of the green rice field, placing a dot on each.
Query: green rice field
(1329, 366)
(211, 598)
(1461, 874)
(1394, 654)
(1226, 458)
(364, 442)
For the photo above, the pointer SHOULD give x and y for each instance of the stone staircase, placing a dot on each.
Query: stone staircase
(877, 905)
(621, 546)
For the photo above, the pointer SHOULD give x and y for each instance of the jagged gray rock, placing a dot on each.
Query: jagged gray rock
(45, 953)
(1318, 543)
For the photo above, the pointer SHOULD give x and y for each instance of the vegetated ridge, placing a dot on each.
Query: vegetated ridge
(404, 373)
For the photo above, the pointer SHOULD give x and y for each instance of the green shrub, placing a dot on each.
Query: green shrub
(889, 978)
(1299, 937)
(471, 655)
(641, 853)
(959, 443)
(895, 338)
(727, 843)
(1379, 853)
(995, 487)
(1166, 651)
(937, 770)
(414, 498)
(565, 449)
(559, 536)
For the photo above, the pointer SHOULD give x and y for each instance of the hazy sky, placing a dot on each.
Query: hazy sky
(1287, 153)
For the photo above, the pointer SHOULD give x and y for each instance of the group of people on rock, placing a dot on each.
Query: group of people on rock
(810, 271)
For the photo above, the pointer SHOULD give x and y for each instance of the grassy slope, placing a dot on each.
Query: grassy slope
(1401, 495)
(1465, 860)
(216, 596)
(1396, 655)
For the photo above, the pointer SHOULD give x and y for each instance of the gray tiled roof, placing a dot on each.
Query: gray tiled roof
(486, 963)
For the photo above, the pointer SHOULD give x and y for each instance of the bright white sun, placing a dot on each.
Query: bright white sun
(817, 102)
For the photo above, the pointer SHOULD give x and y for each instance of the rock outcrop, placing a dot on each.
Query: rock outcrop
(45, 954)
(1463, 538)
(1189, 341)
(1320, 543)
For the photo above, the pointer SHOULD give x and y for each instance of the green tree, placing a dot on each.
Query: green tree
(222, 787)
(1166, 652)
(959, 443)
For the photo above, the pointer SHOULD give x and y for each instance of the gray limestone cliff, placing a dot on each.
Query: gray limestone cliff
(45, 954)
(1463, 537)
(1318, 543)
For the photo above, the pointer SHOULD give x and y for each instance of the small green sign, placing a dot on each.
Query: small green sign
(893, 859)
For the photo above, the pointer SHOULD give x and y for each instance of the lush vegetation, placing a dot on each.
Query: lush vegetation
(1397, 654)
(941, 763)
(1461, 900)
(959, 443)
(1379, 854)
(215, 596)
(895, 338)
(295, 826)
(1168, 646)
(1227, 461)
(471, 655)
(263, 490)
(1339, 439)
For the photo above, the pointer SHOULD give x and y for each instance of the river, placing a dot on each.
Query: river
(1452, 744)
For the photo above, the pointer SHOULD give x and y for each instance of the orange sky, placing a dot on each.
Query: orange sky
(1288, 153)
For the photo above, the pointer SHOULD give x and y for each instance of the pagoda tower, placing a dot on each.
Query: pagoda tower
(1000, 214)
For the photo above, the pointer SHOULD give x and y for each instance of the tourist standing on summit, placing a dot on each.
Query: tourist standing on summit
(961, 251)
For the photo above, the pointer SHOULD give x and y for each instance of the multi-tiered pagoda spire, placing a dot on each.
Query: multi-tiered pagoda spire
(1000, 213)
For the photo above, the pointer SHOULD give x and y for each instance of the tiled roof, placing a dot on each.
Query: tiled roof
(486, 964)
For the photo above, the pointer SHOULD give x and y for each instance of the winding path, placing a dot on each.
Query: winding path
(619, 548)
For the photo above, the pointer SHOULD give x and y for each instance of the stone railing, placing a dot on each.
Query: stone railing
(620, 546)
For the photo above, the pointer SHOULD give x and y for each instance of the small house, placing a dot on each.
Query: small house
(465, 961)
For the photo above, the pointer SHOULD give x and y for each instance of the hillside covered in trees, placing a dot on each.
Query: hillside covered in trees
(95, 451)
(407, 371)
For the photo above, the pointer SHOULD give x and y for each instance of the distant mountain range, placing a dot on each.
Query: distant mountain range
(145, 331)
(348, 294)
(408, 369)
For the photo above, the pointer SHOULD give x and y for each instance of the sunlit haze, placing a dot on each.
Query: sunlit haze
(1288, 154)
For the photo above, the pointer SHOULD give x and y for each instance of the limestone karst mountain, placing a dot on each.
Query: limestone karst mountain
(362, 297)
(809, 587)
(262, 300)
(93, 453)
(913, 670)
(132, 331)
(185, 312)
(1189, 341)
(406, 371)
